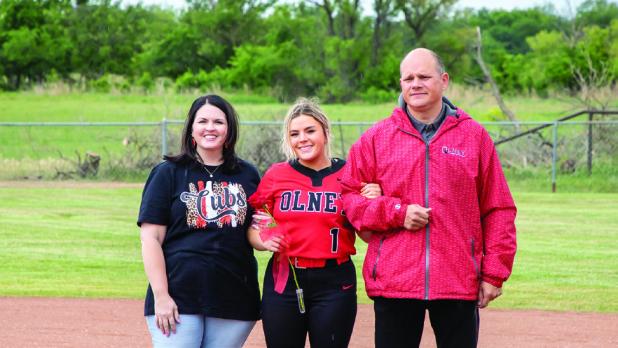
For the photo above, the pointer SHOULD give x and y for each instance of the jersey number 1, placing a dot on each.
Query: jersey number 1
(334, 234)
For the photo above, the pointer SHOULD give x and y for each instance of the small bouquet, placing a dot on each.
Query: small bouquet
(263, 220)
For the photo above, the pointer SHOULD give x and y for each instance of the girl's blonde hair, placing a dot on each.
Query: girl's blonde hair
(304, 107)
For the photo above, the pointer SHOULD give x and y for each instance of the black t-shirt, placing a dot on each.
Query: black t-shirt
(210, 265)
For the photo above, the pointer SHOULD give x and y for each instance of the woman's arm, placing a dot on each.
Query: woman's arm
(166, 311)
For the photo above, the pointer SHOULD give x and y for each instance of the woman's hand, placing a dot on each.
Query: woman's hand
(166, 311)
(370, 190)
(166, 314)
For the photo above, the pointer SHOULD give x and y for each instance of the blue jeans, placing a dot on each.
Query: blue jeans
(199, 331)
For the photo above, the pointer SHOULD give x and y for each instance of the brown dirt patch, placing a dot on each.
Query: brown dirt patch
(57, 322)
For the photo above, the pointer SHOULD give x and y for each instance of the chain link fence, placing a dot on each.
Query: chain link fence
(127, 151)
(558, 151)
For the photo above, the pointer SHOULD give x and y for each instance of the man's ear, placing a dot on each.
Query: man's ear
(445, 80)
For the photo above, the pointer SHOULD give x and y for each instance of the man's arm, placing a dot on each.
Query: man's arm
(380, 214)
(497, 217)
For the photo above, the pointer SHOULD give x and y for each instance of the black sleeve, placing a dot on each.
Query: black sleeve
(255, 174)
(156, 198)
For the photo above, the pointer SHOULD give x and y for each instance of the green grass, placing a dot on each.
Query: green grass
(35, 151)
(83, 242)
(69, 242)
(604, 179)
(98, 107)
(567, 254)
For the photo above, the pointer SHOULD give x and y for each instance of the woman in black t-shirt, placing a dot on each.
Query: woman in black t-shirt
(193, 220)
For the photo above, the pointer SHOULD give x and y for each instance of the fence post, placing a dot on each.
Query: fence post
(164, 137)
(589, 147)
(554, 156)
(341, 139)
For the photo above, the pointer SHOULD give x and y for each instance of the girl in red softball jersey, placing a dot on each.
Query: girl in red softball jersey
(310, 282)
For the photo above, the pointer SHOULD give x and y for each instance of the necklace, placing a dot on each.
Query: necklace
(213, 172)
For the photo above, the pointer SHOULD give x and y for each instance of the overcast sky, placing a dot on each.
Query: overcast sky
(492, 4)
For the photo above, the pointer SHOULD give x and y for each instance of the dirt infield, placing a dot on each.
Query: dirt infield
(45, 322)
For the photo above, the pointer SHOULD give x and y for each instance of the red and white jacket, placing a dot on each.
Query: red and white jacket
(471, 231)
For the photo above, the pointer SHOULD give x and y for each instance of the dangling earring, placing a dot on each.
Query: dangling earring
(193, 142)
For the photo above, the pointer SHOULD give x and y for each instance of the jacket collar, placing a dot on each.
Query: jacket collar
(454, 116)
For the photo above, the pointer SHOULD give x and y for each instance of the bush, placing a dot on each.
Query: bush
(185, 81)
(201, 80)
(375, 95)
(260, 146)
(101, 85)
(336, 90)
(146, 82)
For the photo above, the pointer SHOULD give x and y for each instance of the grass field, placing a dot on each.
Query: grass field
(81, 241)
(94, 107)
(44, 151)
(37, 142)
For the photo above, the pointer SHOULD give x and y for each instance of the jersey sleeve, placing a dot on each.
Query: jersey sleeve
(264, 196)
(156, 197)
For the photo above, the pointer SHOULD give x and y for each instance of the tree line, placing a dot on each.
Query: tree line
(331, 48)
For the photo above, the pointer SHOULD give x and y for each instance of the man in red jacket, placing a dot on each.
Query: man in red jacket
(443, 236)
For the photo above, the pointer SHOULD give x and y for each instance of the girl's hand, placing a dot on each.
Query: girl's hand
(365, 236)
(261, 220)
(276, 244)
(370, 190)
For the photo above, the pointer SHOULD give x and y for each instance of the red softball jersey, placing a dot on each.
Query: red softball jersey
(307, 208)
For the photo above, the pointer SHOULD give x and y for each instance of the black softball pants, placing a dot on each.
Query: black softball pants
(330, 301)
(399, 322)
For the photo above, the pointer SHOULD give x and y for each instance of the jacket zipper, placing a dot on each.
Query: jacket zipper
(375, 265)
(426, 297)
(426, 226)
(476, 266)
(427, 230)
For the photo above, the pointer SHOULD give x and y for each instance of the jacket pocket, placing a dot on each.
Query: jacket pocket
(374, 270)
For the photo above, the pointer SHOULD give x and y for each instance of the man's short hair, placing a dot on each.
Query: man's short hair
(439, 62)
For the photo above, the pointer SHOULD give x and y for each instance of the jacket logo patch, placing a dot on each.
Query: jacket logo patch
(453, 151)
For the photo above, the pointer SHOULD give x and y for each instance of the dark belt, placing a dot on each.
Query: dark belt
(303, 262)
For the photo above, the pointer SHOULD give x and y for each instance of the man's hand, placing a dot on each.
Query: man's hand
(487, 293)
(416, 217)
